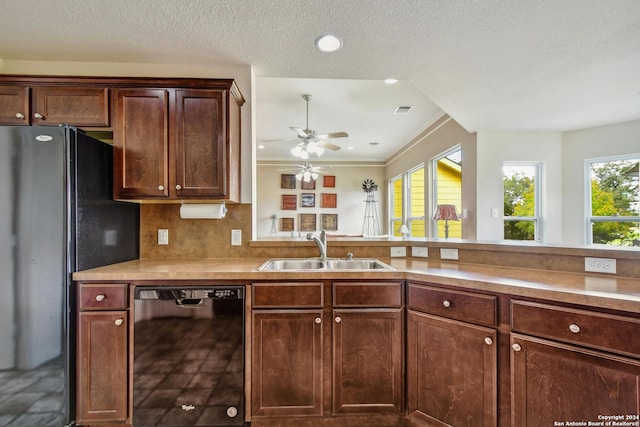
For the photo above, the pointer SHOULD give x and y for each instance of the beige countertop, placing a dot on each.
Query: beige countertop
(618, 293)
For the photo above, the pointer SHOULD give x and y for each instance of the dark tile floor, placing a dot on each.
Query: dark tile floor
(33, 398)
(189, 372)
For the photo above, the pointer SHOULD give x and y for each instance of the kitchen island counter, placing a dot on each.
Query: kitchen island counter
(617, 293)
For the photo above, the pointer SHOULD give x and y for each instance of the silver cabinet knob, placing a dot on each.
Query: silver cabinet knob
(38, 116)
(318, 320)
(161, 187)
(178, 187)
(338, 319)
(574, 328)
(488, 341)
(446, 303)
(119, 322)
(20, 115)
(516, 347)
(100, 297)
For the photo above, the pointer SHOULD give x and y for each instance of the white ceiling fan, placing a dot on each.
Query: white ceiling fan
(310, 142)
(307, 172)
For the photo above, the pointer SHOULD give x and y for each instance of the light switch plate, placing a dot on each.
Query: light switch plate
(420, 251)
(236, 237)
(398, 251)
(448, 253)
(163, 236)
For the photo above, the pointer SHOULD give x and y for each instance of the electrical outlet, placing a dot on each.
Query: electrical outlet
(600, 265)
(398, 251)
(163, 236)
(420, 251)
(447, 253)
(236, 237)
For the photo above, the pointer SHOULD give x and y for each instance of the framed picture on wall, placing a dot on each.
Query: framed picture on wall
(329, 181)
(288, 181)
(328, 200)
(289, 202)
(286, 224)
(307, 222)
(311, 185)
(307, 200)
(329, 222)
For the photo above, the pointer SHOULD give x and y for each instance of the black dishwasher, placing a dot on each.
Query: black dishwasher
(188, 364)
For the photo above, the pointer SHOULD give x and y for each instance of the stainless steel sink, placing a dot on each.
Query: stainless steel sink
(306, 264)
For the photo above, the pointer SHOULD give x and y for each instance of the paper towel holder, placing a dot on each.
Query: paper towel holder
(203, 210)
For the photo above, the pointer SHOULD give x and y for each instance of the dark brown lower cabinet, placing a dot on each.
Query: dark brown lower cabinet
(367, 364)
(553, 383)
(451, 372)
(102, 356)
(287, 362)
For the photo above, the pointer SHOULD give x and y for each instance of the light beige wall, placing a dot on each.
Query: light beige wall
(350, 206)
(243, 76)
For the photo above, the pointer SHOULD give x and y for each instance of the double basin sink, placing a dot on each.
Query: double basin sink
(315, 264)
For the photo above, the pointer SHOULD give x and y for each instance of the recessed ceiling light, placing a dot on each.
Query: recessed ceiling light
(391, 81)
(260, 147)
(350, 147)
(328, 43)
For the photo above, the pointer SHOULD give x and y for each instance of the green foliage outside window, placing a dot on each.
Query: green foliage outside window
(519, 201)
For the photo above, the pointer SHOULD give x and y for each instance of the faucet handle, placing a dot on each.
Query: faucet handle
(349, 256)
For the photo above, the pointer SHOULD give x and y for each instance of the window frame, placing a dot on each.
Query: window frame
(537, 200)
(433, 202)
(407, 217)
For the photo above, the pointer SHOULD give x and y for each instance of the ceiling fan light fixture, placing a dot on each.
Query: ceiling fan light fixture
(297, 150)
(312, 147)
(319, 151)
(328, 43)
(314, 176)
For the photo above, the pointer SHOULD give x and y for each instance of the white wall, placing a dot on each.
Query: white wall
(241, 74)
(495, 148)
(350, 206)
(603, 141)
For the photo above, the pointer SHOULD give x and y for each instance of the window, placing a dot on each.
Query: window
(448, 191)
(406, 202)
(521, 201)
(613, 212)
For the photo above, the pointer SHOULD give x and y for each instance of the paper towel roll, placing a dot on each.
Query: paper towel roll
(203, 211)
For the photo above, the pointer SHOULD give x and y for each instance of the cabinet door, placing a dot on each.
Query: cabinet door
(14, 105)
(201, 144)
(102, 375)
(451, 372)
(553, 383)
(367, 365)
(72, 105)
(141, 144)
(286, 369)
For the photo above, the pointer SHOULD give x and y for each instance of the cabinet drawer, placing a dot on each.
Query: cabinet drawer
(293, 295)
(367, 294)
(103, 296)
(465, 306)
(603, 331)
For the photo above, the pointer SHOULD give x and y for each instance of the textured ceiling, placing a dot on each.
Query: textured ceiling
(490, 64)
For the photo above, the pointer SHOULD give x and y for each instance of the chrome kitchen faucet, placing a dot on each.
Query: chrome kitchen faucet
(320, 241)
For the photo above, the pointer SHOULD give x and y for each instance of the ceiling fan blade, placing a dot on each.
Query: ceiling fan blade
(299, 131)
(330, 146)
(332, 135)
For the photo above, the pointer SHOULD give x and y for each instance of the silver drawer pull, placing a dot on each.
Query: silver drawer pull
(338, 319)
(516, 347)
(100, 297)
(446, 303)
(161, 187)
(318, 320)
(488, 341)
(38, 116)
(19, 115)
(178, 187)
(574, 328)
(119, 322)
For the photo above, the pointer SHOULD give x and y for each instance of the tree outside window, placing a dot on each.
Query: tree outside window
(521, 206)
(614, 201)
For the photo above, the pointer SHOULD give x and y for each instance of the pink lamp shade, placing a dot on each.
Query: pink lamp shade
(446, 212)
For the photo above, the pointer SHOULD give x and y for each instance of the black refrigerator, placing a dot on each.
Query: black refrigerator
(57, 216)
